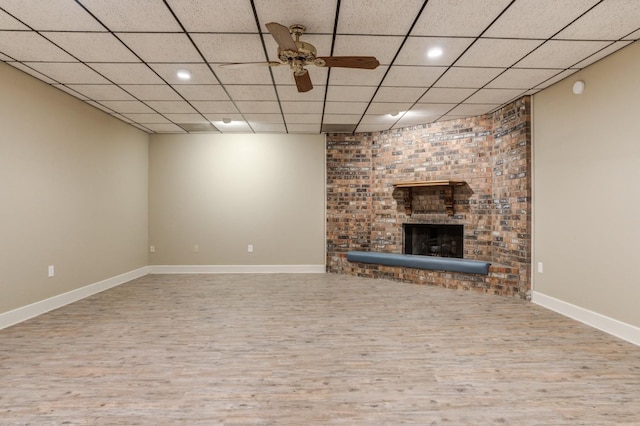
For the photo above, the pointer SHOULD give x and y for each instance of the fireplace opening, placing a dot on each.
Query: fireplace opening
(433, 239)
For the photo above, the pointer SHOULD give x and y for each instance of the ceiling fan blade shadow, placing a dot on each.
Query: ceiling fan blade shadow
(363, 62)
(282, 36)
(303, 81)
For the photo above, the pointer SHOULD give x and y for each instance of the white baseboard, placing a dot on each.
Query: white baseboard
(24, 313)
(237, 269)
(611, 326)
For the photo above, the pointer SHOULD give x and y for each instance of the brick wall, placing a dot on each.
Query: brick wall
(491, 153)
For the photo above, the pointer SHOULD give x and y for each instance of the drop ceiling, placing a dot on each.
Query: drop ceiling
(122, 56)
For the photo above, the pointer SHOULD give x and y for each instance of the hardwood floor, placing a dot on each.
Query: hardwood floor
(311, 349)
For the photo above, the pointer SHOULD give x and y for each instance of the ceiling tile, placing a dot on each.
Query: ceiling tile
(214, 107)
(93, 47)
(384, 48)
(302, 107)
(494, 96)
(341, 118)
(218, 118)
(368, 128)
(200, 73)
(385, 119)
(147, 118)
(293, 118)
(473, 109)
(5, 58)
(345, 107)
(607, 21)
(414, 51)
(30, 46)
(69, 73)
(224, 48)
(254, 92)
(202, 92)
(414, 120)
(429, 110)
(496, 52)
(304, 128)
(243, 75)
(407, 76)
(258, 106)
(290, 93)
(601, 54)
(317, 16)
(52, 15)
(388, 107)
(135, 16)
(268, 127)
(171, 106)
(350, 93)
(399, 94)
(458, 18)
(152, 92)
(468, 77)
(127, 73)
(356, 77)
(522, 78)
(72, 92)
(556, 78)
(561, 54)
(392, 17)
(165, 128)
(263, 118)
(446, 95)
(161, 47)
(33, 72)
(633, 36)
(124, 107)
(186, 118)
(233, 127)
(7, 22)
(538, 19)
(225, 16)
(102, 92)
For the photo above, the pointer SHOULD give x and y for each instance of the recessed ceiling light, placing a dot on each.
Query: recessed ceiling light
(183, 74)
(434, 52)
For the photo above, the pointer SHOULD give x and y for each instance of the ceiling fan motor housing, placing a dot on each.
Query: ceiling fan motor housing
(306, 53)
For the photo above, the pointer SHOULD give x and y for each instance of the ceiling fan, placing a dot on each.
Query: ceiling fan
(297, 54)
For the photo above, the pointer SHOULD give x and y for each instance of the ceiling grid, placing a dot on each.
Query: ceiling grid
(123, 57)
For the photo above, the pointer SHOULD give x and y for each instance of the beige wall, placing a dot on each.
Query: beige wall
(586, 189)
(73, 192)
(224, 192)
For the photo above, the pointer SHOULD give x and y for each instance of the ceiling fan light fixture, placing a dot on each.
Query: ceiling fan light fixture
(183, 74)
(434, 52)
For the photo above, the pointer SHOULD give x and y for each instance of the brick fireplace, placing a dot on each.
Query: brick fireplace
(489, 159)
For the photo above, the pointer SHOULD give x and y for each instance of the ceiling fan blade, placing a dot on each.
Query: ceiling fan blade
(365, 62)
(303, 81)
(251, 64)
(282, 36)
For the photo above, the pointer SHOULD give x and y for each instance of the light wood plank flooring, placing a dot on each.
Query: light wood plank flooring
(311, 350)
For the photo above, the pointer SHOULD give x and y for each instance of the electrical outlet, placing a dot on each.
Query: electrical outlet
(250, 248)
(152, 249)
(52, 271)
(539, 267)
(196, 248)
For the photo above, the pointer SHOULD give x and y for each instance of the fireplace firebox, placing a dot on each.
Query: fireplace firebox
(433, 239)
